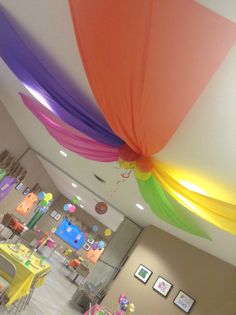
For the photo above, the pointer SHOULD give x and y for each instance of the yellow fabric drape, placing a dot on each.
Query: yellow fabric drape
(217, 212)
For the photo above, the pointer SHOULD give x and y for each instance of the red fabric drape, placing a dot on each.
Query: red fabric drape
(148, 61)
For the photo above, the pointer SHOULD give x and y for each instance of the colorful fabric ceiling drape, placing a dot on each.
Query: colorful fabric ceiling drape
(60, 98)
(147, 62)
(69, 137)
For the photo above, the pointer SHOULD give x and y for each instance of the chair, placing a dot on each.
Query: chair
(9, 270)
(5, 226)
(81, 271)
(28, 237)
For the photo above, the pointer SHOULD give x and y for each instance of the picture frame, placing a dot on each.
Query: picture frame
(90, 241)
(86, 247)
(26, 191)
(184, 301)
(162, 286)
(19, 186)
(53, 213)
(143, 274)
(57, 216)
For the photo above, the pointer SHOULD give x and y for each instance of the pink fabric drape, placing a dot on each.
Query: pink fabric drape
(69, 137)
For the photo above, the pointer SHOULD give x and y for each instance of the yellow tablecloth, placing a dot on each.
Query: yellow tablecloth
(24, 274)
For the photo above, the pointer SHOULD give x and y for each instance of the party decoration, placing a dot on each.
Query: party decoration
(107, 232)
(48, 197)
(101, 207)
(72, 209)
(43, 203)
(69, 137)
(95, 246)
(90, 236)
(66, 207)
(27, 204)
(75, 200)
(101, 244)
(95, 228)
(143, 109)
(41, 195)
(156, 104)
(51, 88)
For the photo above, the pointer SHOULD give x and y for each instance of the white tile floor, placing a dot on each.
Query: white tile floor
(54, 296)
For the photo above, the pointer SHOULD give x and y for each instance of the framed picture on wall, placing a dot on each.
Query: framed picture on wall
(90, 241)
(26, 191)
(53, 213)
(162, 286)
(143, 274)
(19, 186)
(86, 247)
(184, 302)
(57, 216)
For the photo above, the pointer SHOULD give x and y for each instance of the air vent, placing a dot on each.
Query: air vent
(99, 178)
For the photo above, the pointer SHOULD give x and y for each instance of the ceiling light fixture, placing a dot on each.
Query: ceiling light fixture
(81, 206)
(78, 197)
(63, 153)
(139, 206)
(74, 185)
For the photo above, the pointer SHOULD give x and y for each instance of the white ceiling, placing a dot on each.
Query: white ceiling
(204, 144)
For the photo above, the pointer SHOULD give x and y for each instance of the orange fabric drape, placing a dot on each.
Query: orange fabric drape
(147, 62)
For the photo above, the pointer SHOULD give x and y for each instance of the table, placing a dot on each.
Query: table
(25, 274)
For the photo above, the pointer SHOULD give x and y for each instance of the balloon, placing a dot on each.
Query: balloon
(94, 246)
(101, 244)
(101, 208)
(48, 197)
(142, 176)
(86, 235)
(43, 203)
(107, 232)
(90, 236)
(95, 228)
(72, 209)
(144, 164)
(75, 200)
(127, 154)
(66, 207)
(41, 195)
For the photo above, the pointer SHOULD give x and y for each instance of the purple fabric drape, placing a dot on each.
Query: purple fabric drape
(50, 90)
(69, 137)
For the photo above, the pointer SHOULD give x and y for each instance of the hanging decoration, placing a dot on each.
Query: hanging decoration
(27, 204)
(161, 64)
(107, 232)
(144, 102)
(101, 207)
(66, 207)
(95, 228)
(72, 209)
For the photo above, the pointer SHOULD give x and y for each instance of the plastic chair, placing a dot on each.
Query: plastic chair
(8, 268)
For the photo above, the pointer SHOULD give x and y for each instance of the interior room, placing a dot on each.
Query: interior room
(118, 157)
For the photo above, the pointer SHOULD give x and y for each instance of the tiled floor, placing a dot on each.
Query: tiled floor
(54, 296)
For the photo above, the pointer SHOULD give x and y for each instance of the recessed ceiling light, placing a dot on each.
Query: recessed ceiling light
(78, 197)
(63, 153)
(81, 206)
(139, 206)
(74, 185)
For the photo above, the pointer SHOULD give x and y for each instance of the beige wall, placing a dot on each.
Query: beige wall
(12, 140)
(209, 280)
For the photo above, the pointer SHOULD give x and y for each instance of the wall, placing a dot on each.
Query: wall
(209, 280)
(12, 140)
